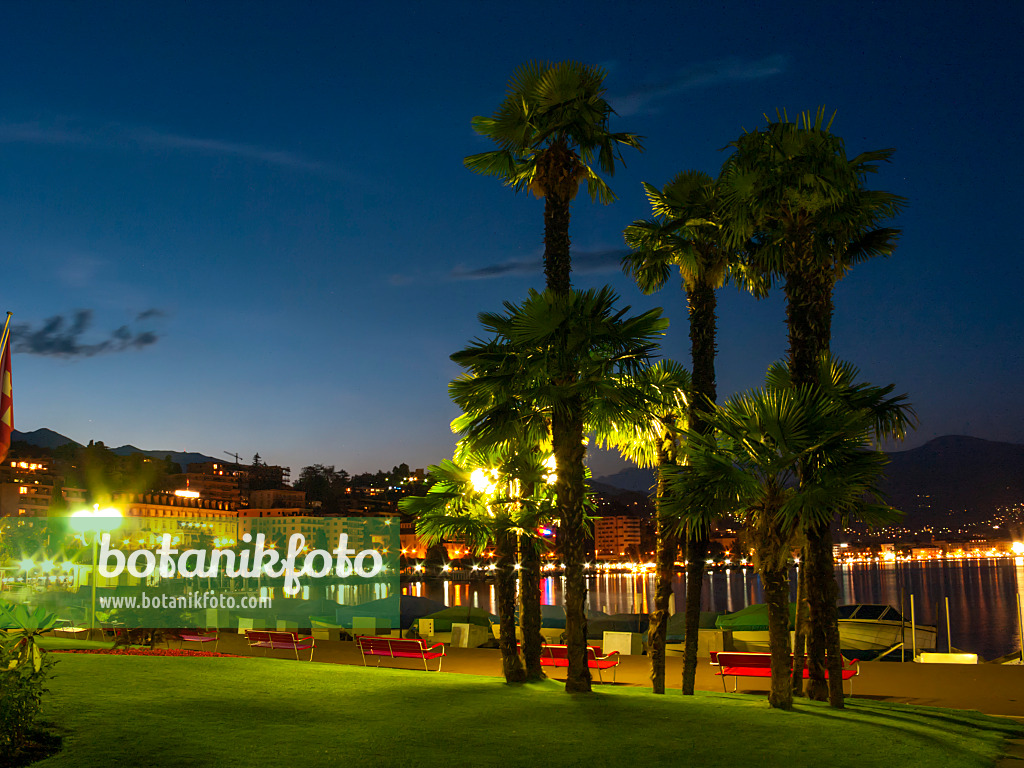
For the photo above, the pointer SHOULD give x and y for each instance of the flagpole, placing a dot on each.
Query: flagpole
(3, 342)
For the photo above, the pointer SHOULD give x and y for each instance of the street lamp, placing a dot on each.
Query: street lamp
(95, 521)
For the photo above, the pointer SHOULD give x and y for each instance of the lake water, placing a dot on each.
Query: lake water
(983, 595)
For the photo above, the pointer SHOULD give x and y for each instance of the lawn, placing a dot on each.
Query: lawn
(158, 711)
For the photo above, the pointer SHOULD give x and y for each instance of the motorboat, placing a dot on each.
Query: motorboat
(868, 629)
(872, 627)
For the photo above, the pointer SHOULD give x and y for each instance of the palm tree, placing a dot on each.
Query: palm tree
(497, 420)
(795, 201)
(551, 128)
(653, 441)
(566, 355)
(478, 498)
(785, 458)
(686, 233)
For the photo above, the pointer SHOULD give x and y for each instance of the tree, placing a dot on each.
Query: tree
(479, 498)
(648, 442)
(567, 355)
(512, 428)
(550, 129)
(686, 232)
(799, 205)
(786, 457)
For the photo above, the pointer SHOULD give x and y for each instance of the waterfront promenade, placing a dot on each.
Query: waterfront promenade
(989, 688)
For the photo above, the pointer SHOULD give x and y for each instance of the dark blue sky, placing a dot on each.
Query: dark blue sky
(254, 222)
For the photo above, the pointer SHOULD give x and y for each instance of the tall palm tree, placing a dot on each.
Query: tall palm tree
(567, 355)
(799, 205)
(686, 232)
(756, 463)
(551, 130)
(653, 441)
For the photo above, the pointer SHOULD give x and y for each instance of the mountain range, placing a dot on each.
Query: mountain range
(47, 438)
(966, 477)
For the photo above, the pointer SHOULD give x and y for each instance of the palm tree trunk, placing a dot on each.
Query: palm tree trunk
(505, 592)
(696, 553)
(567, 442)
(800, 636)
(558, 166)
(822, 592)
(665, 560)
(529, 606)
(776, 597)
(809, 310)
(701, 303)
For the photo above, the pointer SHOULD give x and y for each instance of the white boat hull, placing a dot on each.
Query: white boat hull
(868, 635)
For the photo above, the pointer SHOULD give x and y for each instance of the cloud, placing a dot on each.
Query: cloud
(698, 76)
(117, 136)
(583, 262)
(58, 336)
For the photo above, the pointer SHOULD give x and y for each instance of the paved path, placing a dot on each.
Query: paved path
(989, 688)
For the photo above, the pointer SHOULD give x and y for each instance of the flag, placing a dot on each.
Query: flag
(6, 401)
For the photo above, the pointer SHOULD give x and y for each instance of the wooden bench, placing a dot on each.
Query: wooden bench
(736, 665)
(201, 636)
(268, 639)
(400, 648)
(553, 655)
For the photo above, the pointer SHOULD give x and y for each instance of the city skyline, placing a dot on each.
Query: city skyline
(251, 231)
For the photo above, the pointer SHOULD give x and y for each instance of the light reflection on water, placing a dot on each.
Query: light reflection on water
(983, 595)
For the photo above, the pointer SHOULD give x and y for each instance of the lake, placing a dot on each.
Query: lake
(983, 595)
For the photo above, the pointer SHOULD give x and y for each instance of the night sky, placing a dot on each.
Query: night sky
(247, 227)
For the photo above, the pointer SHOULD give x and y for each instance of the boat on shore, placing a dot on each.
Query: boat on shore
(865, 629)
(877, 628)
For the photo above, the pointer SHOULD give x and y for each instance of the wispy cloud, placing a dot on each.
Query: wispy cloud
(698, 76)
(119, 136)
(60, 336)
(583, 262)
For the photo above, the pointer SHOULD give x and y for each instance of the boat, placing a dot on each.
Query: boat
(865, 629)
(870, 627)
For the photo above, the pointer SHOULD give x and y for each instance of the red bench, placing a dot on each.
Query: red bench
(558, 656)
(736, 665)
(201, 636)
(400, 648)
(268, 639)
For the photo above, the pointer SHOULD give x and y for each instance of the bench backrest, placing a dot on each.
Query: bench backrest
(562, 651)
(270, 636)
(728, 659)
(405, 644)
(747, 659)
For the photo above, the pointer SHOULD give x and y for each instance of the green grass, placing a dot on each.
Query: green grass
(161, 711)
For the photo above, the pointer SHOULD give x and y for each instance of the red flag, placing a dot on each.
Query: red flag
(6, 402)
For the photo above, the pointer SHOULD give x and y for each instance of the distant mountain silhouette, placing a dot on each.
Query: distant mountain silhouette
(959, 476)
(47, 438)
(44, 438)
(952, 477)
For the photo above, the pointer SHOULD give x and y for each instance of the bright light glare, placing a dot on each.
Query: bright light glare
(481, 482)
(96, 520)
(1017, 547)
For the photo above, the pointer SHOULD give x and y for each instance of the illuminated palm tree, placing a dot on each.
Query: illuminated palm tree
(793, 199)
(652, 439)
(551, 130)
(478, 498)
(786, 458)
(686, 233)
(566, 356)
